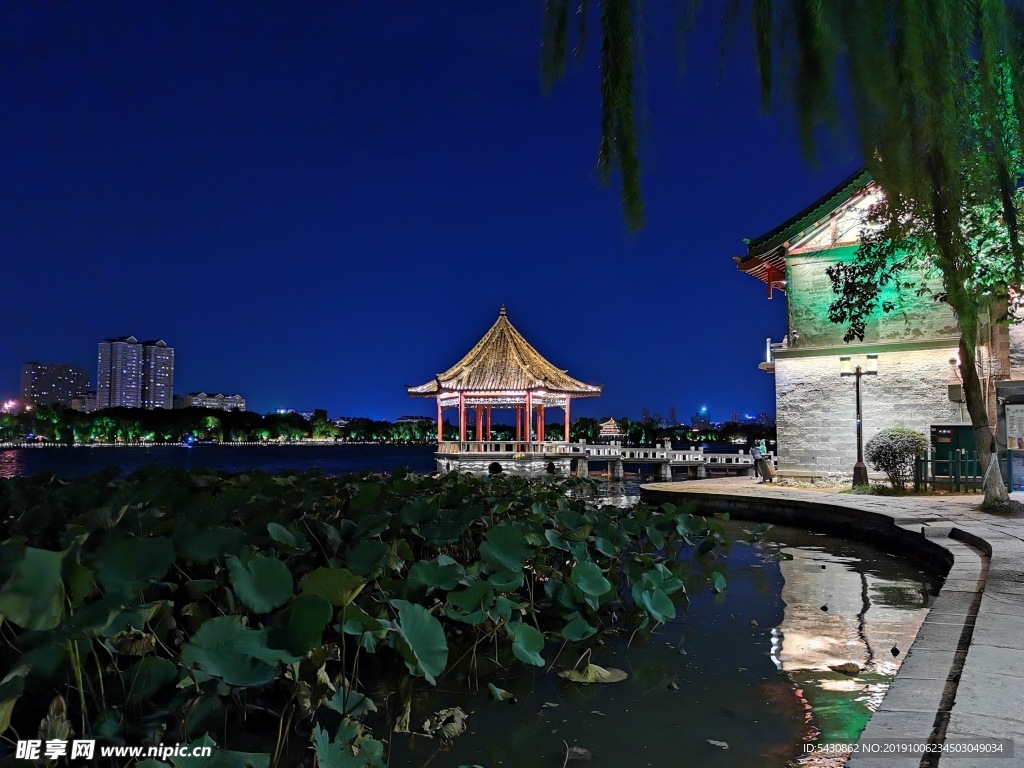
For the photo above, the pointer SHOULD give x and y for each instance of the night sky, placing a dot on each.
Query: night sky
(317, 203)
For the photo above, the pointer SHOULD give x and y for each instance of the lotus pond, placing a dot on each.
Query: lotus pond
(301, 620)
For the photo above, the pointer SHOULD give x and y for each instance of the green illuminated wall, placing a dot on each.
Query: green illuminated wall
(809, 294)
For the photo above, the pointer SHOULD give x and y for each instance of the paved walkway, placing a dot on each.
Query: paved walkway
(963, 678)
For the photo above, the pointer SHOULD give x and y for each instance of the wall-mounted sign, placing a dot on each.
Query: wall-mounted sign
(1015, 427)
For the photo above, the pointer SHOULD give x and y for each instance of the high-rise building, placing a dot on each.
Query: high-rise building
(134, 374)
(119, 373)
(673, 415)
(51, 383)
(157, 374)
(735, 417)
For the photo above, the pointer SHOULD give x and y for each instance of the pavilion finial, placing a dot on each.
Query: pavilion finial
(502, 312)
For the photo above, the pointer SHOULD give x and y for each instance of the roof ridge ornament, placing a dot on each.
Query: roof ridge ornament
(502, 312)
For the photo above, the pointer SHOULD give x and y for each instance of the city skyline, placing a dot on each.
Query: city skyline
(342, 221)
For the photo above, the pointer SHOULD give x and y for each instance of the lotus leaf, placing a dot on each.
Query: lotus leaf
(294, 541)
(579, 534)
(368, 493)
(445, 723)
(209, 544)
(133, 642)
(225, 648)
(351, 703)
(718, 581)
(148, 676)
(554, 539)
(505, 547)
(417, 511)
(33, 596)
(435, 574)
(470, 605)
(592, 673)
(658, 604)
(367, 556)
(11, 689)
(262, 583)
(348, 749)
(589, 579)
(527, 643)
(500, 694)
(421, 640)
(706, 546)
(506, 580)
(338, 585)
(503, 609)
(578, 629)
(130, 563)
(301, 629)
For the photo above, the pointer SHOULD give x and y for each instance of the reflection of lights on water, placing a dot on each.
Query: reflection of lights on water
(777, 638)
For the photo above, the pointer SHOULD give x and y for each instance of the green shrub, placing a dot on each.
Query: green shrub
(893, 450)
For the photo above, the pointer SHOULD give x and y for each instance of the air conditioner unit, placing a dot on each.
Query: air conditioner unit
(956, 393)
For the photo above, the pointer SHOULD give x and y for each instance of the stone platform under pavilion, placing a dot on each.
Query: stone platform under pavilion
(503, 372)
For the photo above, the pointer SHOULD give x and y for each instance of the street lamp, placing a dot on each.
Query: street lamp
(860, 470)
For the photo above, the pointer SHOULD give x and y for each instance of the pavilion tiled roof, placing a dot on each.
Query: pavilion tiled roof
(504, 361)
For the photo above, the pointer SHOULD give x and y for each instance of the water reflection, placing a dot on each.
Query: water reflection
(846, 606)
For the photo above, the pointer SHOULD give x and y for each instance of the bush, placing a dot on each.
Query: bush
(893, 450)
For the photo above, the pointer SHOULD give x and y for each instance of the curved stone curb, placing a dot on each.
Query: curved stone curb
(963, 677)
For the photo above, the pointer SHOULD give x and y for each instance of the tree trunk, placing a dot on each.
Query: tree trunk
(995, 491)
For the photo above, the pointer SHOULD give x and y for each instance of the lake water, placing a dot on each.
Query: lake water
(331, 459)
(740, 678)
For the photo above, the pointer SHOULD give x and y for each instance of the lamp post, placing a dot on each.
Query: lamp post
(860, 470)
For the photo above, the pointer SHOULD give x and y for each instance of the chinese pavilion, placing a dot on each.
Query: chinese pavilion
(502, 372)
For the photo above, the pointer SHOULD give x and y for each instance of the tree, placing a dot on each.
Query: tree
(931, 104)
(893, 451)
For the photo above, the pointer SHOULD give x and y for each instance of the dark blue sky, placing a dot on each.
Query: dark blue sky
(316, 203)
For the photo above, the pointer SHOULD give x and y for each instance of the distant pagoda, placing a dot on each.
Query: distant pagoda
(610, 429)
(502, 372)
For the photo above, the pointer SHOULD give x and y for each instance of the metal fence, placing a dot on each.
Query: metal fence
(960, 472)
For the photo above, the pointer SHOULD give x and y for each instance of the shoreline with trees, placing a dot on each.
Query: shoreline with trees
(135, 427)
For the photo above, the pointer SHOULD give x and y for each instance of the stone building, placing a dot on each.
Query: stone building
(908, 355)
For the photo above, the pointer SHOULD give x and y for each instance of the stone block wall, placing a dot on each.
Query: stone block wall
(1016, 336)
(816, 407)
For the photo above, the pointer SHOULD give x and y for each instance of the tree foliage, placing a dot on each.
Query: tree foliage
(893, 451)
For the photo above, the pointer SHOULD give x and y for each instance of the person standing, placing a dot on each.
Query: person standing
(755, 454)
(767, 465)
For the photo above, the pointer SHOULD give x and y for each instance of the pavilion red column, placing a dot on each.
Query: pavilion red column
(567, 418)
(440, 423)
(462, 417)
(488, 422)
(528, 415)
(519, 431)
(479, 424)
(540, 423)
